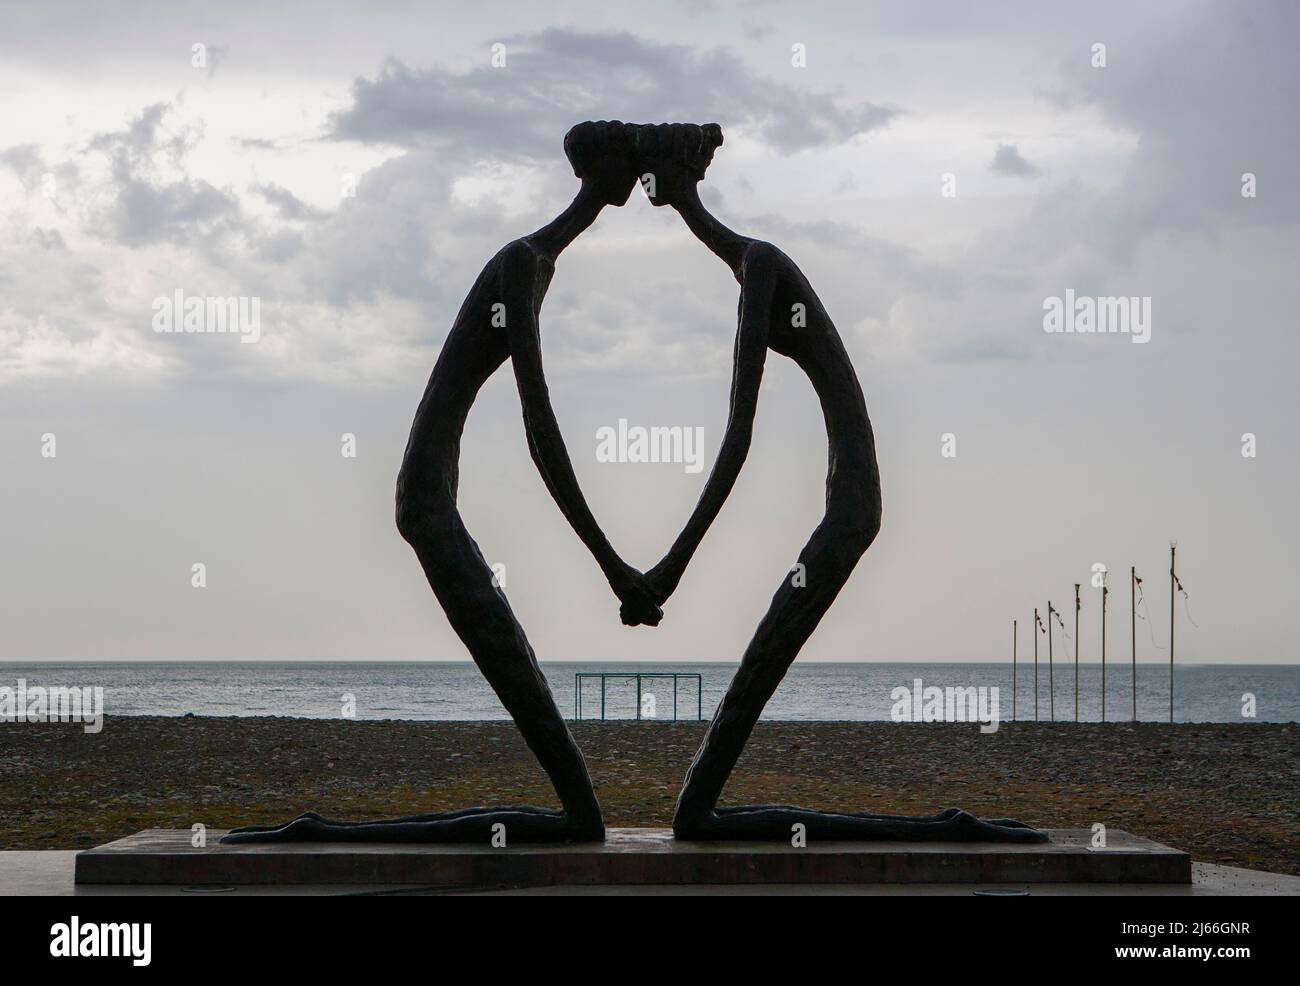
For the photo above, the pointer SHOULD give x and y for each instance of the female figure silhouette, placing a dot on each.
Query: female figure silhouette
(779, 311)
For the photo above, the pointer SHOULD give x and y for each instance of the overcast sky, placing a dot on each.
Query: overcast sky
(128, 173)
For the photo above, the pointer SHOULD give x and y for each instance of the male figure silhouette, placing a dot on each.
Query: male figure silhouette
(510, 290)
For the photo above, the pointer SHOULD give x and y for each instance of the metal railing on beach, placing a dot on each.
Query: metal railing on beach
(641, 694)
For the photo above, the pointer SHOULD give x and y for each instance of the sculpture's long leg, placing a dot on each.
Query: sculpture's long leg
(479, 613)
(440, 816)
(828, 559)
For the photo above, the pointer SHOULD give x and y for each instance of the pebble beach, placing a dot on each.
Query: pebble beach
(1227, 793)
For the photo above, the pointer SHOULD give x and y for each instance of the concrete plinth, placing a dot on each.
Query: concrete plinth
(630, 856)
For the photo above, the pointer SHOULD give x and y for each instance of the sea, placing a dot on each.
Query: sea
(450, 691)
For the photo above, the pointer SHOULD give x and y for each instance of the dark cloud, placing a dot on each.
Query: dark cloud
(48, 239)
(27, 162)
(177, 212)
(257, 143)
(147, 208)
(1213, 95)
(559, 77)
(217, 56)
(881, 258)
(1007, 160)
(382, 241)
(288, 205)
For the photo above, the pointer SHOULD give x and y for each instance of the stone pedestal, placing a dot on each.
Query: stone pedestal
(630, 856)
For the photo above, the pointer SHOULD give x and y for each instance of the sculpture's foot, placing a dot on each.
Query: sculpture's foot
(468, 825)
(775, 823)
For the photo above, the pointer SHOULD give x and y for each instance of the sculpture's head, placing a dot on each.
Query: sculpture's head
(601, 153)
(671, 158)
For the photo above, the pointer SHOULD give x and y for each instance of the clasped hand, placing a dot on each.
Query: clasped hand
(641, 595)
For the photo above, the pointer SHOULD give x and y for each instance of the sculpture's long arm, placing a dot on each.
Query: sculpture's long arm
(757, 292)
(545, 442)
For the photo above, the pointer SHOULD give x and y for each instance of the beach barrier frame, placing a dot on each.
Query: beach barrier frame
(604, 676)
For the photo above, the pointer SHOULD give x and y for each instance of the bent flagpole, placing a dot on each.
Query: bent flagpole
(1077, 606)
(1133, 626)
(1105, 591)
(1038, 624)
(1051, 674)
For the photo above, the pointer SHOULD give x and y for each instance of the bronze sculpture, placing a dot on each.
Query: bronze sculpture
(499, 321)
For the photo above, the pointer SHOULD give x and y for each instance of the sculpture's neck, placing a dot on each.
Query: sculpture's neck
(552, 238)
(726, 243)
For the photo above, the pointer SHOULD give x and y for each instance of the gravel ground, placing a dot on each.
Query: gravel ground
(1227, 793)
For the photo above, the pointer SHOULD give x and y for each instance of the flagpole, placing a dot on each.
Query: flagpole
(1133, 621)
(1076, 652)
(1013, 671)
(1104, 592)
(1035, 664)
(1172, 580)
(1051, 675)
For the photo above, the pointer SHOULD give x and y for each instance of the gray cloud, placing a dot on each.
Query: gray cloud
(1209, 96)
(288, 205)
(217, 55)
(146, 208)
(27, 162)
(1213, 96)
(560, 76)
(1007, 160)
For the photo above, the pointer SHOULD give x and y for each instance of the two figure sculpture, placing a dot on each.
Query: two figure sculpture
(670, 160)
